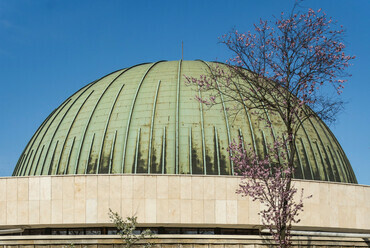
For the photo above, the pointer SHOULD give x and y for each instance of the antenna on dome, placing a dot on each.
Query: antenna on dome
(182, 50)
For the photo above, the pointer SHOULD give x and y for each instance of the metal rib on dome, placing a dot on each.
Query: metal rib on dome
(145, 120)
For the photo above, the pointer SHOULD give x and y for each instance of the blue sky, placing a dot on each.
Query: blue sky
(50, 49)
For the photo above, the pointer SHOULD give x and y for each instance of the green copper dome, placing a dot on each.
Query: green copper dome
(144, 119)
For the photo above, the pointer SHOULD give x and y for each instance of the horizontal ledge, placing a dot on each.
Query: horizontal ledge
(326, 234)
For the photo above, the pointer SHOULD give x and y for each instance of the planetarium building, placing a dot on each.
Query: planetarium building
(135, 141)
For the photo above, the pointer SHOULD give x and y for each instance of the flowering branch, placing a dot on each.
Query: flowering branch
(285, 67)
(268, 181)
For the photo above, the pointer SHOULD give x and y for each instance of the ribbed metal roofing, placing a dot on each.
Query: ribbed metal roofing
(144, 119)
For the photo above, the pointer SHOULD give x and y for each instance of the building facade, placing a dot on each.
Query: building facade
(136, 142)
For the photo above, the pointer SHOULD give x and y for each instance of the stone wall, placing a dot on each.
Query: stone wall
(169, 200)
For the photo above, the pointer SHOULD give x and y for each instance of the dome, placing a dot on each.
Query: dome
(144, 119)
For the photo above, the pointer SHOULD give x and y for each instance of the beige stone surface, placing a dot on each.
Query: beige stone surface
(91, 211)
(185, 211)
(45, 211)
(22, 189)
(3, 212)
(56, 188)
(45, 188)
(22, 210)
(34, 188)
(56, 211)
(168, 199)
(11, 212)
(162, 187)
(185, 189)
(220, 211)
(209, 211)
(174, 187)
(150, 210)
(34, 212)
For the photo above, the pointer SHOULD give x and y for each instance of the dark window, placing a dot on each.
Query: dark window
(76, 231)
(172, 230)
(206, 231)
(112, 231)
(93, 231)
(59, 232)
(189, 231)
(154, 230)
(228, 231)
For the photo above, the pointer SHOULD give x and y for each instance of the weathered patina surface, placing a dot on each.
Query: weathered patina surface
(144, 119)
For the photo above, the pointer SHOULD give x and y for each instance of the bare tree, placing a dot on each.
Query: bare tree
(287, 66)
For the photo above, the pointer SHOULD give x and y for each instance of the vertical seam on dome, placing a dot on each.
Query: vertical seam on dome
(151, 127)
(24, 169)
(313, 153)
(137, 149)
(70, 128)
(88, 155)
(272, 130)
(286, 147)
(33, 138)
(203, 138)
(331, 145)
(226, 120)
(339, 146)
(241, 137)
(350, 169)
(21, 169)
(190, 152)
(69, 156)
(92, 113)
(112, 153)
(58, 110)
(249, 121)
(57, 128)
(20, 160)
(342, 152)
(38, 160)
(266, 149)
(335, 164)
(308, 161)
(177, 119)
(163, 148)
(322, 144)
(38, 131)
(323, 164)
(217, 152)
(106, 127)
(16, 171)
(83, 89)
(52, 158)
(344, 176)
(130, 116)
(268, 117)
(345, 169)
(299, 160)
(288, 153)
